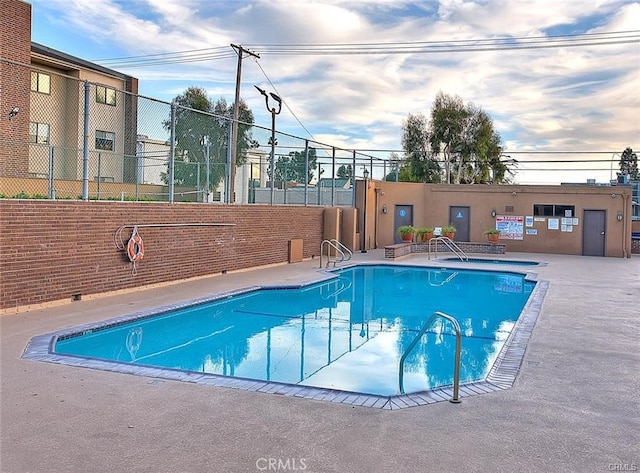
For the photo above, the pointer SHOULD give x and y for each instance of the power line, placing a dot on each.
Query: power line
(145, 56)
(408, 47)
(452, 46)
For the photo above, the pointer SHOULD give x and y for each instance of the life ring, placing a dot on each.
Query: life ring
(135, 247)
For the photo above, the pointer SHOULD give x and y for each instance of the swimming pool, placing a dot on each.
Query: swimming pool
(342, 336)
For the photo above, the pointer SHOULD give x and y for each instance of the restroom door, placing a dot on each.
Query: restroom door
(593, 232)
(459, 218)
(403, 216)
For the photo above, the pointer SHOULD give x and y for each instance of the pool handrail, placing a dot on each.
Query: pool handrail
(344, 253)
(448, 242)
(456, 368)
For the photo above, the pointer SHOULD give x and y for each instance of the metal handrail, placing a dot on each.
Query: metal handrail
(330, 243)
(346, 251)
(448, 242)
(456, 366)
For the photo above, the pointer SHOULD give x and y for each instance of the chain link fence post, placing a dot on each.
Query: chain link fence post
(172, 149)
(85, 144)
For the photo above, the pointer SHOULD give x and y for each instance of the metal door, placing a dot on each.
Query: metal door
(403, 216)
(459, 218)
(593, 232)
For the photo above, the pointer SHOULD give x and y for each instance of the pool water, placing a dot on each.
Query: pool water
(346, 333)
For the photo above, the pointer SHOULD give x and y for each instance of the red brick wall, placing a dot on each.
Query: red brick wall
(15, 45)
(50, 250)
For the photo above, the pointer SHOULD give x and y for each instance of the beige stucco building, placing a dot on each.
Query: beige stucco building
(569, 219)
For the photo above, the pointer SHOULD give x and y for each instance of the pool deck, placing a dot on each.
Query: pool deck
(575, 404)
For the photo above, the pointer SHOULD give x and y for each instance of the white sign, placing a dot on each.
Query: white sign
(511, 228)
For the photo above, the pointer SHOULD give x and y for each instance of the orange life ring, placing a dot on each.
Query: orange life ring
(135, 247)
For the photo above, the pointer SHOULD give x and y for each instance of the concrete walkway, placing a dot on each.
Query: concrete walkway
(575, 405)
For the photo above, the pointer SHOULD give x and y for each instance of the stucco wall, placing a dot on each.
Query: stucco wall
(52, 250)
(431, 205)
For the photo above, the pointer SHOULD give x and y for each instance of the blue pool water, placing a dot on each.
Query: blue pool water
(346, 333)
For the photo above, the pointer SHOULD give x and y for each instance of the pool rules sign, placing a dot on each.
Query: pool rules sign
(511, 227)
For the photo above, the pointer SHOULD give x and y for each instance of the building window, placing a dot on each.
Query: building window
(105, 95)
(105, 140)
(39, 133)
(552, 210)
(40, 82)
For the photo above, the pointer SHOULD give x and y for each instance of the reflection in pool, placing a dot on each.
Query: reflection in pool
(346, 333)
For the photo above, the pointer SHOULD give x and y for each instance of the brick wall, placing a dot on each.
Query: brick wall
(15, 46)
(51, 250)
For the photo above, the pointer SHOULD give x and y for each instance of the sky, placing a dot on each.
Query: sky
(565, 88)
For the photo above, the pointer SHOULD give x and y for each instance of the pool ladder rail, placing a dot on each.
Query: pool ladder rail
(448, 242)
(456, 366)
(342, 252)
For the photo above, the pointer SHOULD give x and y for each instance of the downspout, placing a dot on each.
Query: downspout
(625, 254)
(375, 221)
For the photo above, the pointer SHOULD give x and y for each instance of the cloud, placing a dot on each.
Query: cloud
(556, 99)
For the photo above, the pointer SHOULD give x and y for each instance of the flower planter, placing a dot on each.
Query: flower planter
(493, 237)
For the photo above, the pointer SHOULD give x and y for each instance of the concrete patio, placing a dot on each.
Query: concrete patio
(574, 406)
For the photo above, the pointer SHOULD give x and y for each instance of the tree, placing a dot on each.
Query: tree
(464, 137)
(292, 167)
(479, 150)
(394, 173)
(629, 164)
(203, 129)
(418, 157)
(448, 115)
(345, 172)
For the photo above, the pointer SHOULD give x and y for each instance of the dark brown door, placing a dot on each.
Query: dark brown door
(593, 232)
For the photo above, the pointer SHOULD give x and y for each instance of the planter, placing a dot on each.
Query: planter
(408, 237)
(493, 237)
(450, 235)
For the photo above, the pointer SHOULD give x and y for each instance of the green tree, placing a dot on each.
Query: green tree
(478, 160)
(292, 167)
(464, 139)
(629, 164)
(203, 128)
(344, 171)
(423, 167)
(448, 115)
(394, 174)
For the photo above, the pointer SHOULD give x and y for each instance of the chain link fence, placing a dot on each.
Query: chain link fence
(92, 141)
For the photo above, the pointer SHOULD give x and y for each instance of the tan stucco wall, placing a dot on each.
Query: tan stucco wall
(431, 204)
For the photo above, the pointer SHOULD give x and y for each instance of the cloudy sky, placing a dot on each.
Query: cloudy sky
(560, 78)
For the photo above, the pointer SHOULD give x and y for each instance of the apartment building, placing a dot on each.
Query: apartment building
(55, 103)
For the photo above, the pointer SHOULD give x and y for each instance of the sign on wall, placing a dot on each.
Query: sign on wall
(511, 228)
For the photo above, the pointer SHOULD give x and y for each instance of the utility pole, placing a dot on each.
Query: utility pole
(236, 113)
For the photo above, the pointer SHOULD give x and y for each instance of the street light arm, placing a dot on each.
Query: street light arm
(266, 100)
